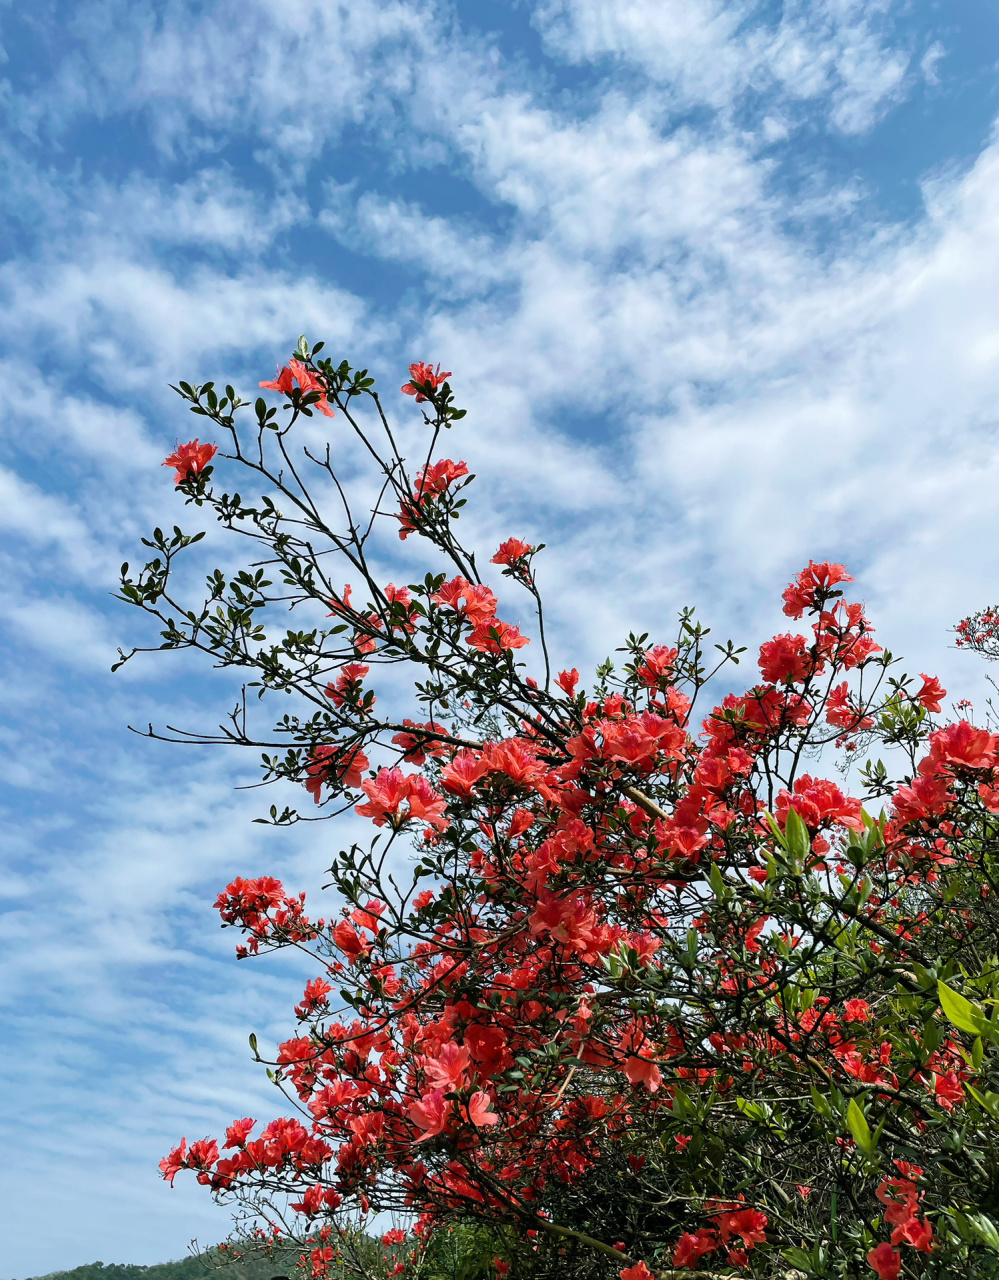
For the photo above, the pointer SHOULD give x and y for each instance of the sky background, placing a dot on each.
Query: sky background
(719, 285)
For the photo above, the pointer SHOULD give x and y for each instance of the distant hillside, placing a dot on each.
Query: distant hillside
(463, 1253)
(204, 1267)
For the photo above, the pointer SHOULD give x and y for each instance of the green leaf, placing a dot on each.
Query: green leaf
(799, 842)
(682, 1106)
(859, 1128)
(775, 828)
(988, 1101)
(926, 979)
(962, 1013)
(985, 1229)
(757, 1111)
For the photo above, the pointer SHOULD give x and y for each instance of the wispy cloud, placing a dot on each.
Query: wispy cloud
(846, 58)
(696, 352)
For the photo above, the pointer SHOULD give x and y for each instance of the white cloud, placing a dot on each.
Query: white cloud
(400, 231)
(64, 631)
(26, 510)
(288, 73)
(669, 383)
(707, 52)
(211, 210)
(928, 62)
(121, 314)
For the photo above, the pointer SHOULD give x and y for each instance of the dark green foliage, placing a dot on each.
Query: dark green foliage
(196, 1267)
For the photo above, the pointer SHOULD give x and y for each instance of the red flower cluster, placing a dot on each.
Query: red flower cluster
(957, 752)
(334, 766)
(493, 636)
(190, 459)
(646, 942)
(431, 483)
(390, 790)
(424, 380)
(347, 686)
(731, 1223)
(980, 632)
(294, 372)
(263, 911)
(427, 1064)
(440, 1078)
(901, 1198)
(511, 552)
(813, 586)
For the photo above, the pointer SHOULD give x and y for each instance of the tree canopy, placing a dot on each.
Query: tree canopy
(623, 984)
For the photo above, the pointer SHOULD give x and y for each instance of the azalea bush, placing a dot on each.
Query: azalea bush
(628, 980)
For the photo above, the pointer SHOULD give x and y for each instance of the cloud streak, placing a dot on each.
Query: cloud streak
(696, 352)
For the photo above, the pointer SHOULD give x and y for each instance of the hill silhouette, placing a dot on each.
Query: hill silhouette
(196, 1267)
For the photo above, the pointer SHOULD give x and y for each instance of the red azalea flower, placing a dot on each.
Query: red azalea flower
(886, 1261)
(190, 459)
(424, 380)
(511, 551)
(294, 371)
(638, 1272)
(932, 693)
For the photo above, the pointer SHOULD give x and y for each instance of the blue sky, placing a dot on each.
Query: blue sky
(719, 286)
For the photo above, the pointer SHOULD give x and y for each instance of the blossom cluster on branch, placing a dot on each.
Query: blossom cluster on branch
(653, 996)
